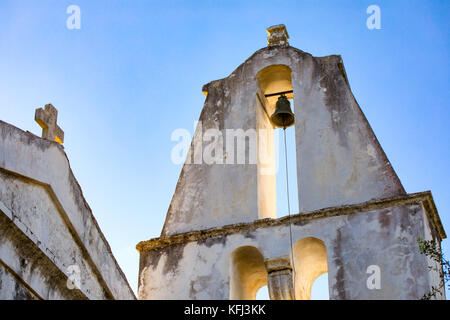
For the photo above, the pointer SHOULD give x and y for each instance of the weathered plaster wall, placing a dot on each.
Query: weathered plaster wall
(31, 271)
(47, 226)
(339, 160)
(208, 195)
(198, 265)
(12, 288)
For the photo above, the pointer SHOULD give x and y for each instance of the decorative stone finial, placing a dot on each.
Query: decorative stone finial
(47, 120)
(278, 36)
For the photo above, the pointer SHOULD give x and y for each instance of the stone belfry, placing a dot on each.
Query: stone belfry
(222, 238)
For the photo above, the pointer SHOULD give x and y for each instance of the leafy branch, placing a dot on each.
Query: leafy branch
(432, 249)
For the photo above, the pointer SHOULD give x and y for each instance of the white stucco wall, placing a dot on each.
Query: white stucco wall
(385, 237)
(48, 226)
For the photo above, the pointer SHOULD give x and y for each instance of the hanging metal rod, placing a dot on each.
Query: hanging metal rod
(278, 93)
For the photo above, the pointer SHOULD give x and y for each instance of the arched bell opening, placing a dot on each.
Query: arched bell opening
(263, 293)
(247, 273)
(310, 262)
(319, 290)
(275, 97)
(275, 79)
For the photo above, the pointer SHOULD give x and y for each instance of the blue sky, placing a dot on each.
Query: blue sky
(134, 71)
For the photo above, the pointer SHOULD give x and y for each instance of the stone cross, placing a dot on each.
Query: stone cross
(47, 120)
(277, 36)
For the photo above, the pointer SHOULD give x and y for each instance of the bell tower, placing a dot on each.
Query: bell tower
(222, 238)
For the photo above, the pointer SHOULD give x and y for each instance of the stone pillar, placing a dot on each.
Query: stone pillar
(279, 280)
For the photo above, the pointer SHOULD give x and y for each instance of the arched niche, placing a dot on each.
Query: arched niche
(310, 259)
(247, 273)
(273, 79)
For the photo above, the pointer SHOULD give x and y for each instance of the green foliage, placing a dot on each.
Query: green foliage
(432, 249)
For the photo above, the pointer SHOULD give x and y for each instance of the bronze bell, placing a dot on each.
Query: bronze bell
(283, 116)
